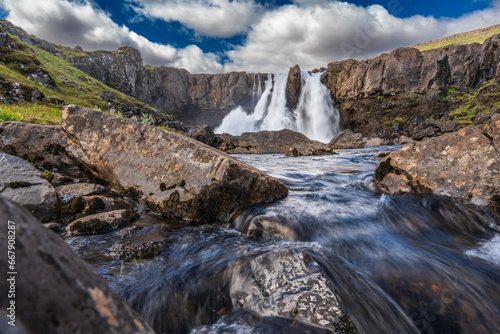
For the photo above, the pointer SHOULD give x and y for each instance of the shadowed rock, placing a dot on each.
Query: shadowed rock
(20, 182)
(56, 291)
(173, 174)
(293, 87)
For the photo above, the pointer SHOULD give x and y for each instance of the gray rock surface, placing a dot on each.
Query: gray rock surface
(20, 182)
(347, 140)
(56, 291)
(101, 222)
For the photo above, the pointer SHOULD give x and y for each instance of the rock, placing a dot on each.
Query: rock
(405, 140)
(172, 174)
(109, 203)
(481, 118)
(20, 182)
(59, 179)
(57, 291)
(293, 87)
(202, 133)
(101, 222)
(44, 144)
(287, 284)
(53, 226)
(72, 190)
(304, 151)
(377, 142)
(462, 164)
(447, 126)
(268, 142)
(382, 154)
(495, 110)
(347, 140)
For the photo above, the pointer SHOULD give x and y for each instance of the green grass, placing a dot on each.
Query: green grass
(478, 37)
(30, 113)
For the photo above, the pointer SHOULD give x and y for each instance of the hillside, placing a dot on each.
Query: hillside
(474, 36)
(35, 84)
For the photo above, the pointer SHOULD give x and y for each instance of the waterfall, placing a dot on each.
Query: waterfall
(314, 116)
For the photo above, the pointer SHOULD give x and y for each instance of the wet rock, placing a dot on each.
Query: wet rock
(377, 142)
(288, 285)
(262, 227)
(21, 183)
(202, 133)
(108, 203)
(127, 250)
(53, 226)
(347, 140)
(293, 87)
(463, 164)
(56, 290)
(38, 143)
(173, 174)
(72, 190)
(101, 222)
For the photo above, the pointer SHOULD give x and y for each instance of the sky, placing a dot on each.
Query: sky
(214, 36)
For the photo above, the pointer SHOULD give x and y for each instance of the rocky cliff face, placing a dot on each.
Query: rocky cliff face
(203, 97)
(395, 91)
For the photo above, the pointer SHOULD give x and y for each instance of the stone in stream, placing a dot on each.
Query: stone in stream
(463, 164)
(101, 222)
(22, 183)
(270, 142)
(172, 174)
(347, 140)
(56, 291)
(72, 190)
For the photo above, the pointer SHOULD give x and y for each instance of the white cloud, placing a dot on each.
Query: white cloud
(81, 23)
(314, 33)
(214, 18)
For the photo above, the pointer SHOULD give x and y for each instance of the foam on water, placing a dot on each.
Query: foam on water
(489, 250)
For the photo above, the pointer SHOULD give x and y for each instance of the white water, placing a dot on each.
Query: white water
(315, 115)
(489, 250)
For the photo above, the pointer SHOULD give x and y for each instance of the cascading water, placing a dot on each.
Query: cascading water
(314, 116)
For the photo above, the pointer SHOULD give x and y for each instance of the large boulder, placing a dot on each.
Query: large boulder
(55, 290)
(22, 183)
(463, 164)
(173, 174)
(42, 144)
(347, 140)
(268, 142)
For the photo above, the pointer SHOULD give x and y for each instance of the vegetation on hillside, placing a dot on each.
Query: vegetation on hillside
(477, 36)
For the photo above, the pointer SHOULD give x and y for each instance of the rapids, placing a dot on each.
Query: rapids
(397, 264)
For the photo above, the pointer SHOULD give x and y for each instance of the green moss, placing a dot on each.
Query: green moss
(96, 204)
(19, 184)
(74, 206)
(47, 175)
(380, 98)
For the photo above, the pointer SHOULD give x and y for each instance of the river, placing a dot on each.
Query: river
(394, 264)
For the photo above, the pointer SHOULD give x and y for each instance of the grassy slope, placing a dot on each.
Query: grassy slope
(83, 90)
(476, 36)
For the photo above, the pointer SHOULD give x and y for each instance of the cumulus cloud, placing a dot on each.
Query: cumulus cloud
(81, 23)
(314, 33)
(214, 18)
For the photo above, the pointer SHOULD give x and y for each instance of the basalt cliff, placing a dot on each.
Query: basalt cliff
(403, 92)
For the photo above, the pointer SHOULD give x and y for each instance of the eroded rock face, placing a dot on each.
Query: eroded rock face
(173, 174)
(45, 144)
(347, 140)
(23, 184)
(293, 87)
(56, 291)
(268, 142)
(288, 284)
(463, 164)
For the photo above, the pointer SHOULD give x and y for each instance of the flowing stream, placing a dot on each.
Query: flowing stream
(395, 264)
(314, 116)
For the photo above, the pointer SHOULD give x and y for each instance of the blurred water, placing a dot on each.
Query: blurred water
(397, 264)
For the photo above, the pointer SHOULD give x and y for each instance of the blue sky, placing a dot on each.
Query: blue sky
(248, 35)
